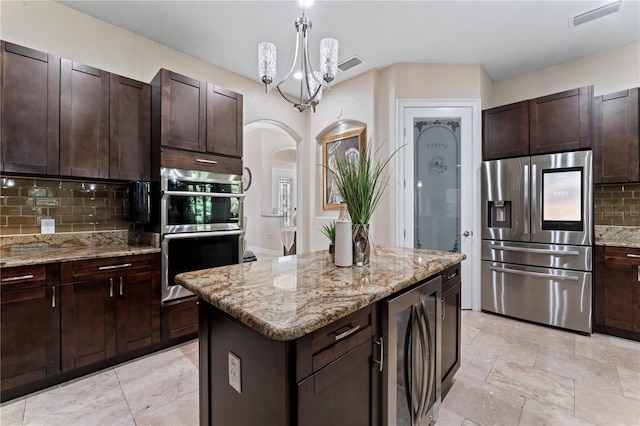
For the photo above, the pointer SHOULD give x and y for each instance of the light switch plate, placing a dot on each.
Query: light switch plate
(235, 376)
(48, 226)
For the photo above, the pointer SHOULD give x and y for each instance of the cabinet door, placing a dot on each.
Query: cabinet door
(180, 319)
(88, 322)
(561, 122)
(224, 121)
(340, 393)
(29, 114)
(505, 131)
(183, 112)
(29, 327)
(617, 295)
(451, 333)
(137, 311)
(84, 121)
(616, 155)
(130, 129)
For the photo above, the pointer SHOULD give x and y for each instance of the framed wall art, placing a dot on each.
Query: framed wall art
(349, 144)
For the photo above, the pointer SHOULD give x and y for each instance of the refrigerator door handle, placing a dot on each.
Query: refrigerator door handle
(540, 251)
(535, 274)
(526, 199)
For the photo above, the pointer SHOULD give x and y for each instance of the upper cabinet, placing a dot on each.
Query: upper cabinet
(561, 122)
(224, 121)
(84, 121)
(505, 131)
(29, 114)
(616, 155)
(196, 116)
(130, 129)
(554, 123)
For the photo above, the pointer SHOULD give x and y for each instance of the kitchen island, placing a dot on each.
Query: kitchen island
(295, 340)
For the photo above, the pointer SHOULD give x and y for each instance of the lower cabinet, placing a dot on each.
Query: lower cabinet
(109, 307)
(451, 326)
(617, 292)
(180, 319)
(29, 324)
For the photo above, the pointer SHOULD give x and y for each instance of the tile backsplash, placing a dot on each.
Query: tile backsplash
(617, 205)
(76, 205)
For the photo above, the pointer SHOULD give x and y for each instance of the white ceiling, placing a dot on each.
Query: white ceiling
(508, 38)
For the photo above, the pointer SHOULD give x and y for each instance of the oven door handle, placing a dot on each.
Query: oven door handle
(203, 234)
(535, 274)
(167, 194)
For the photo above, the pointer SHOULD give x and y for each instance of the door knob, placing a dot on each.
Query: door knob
(466, 233)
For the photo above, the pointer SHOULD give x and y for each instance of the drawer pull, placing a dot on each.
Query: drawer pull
(202, 160)
(110, 287)
(340, 336)
(110, 267)
(21, 277)
(381, 362)
(120, 286)
(635, 256)
(53, 297)
(450, 276)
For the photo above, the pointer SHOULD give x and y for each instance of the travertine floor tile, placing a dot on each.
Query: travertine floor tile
(604, 408)
(12, 412)
(630, 382)
(535, 413)
(190, 350)
(599, 347)
(182, 411)
(448, 418)
(505, 346)
(560, 340)
(483, 403)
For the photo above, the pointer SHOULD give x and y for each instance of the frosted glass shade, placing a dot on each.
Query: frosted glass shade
(329, 58)
(267, 62)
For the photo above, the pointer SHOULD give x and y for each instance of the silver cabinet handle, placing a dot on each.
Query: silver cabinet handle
(21, 277)
(347, 333)
(381, 362)
(444, 308)
(635, 256)
(53, 297)
(120, 286)
(638, 273)
(110, 287)
(203, 160)
(110, 267)
(535, 274)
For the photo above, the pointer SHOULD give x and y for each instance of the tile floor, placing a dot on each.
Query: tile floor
(512, 373)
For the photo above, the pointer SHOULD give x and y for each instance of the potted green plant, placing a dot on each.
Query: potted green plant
(361, 185)
(329, 231)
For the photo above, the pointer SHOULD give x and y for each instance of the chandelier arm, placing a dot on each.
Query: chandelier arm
(310, 71)
(286, 98)
(295, 60)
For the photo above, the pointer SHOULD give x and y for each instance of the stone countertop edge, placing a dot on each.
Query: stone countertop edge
(39, 256)
(288, 297)
(628, 244)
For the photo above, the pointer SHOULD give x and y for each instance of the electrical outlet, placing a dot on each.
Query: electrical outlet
(235, 375)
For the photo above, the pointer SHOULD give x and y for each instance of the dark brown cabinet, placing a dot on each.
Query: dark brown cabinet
(616, 150)
(29, 114)
(451, 326)
(561, 122)
(554, 123)
(330, 376)
(224, 121)
(130, 129)
(617, 291)
(195, 117)
(109, 307)
(29, 324)
(84, 121)
(505, 131)
(180, 319)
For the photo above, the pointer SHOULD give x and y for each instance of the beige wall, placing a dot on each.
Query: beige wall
(609, 71)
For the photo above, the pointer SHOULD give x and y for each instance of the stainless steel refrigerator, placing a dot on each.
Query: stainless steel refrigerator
(537, 238)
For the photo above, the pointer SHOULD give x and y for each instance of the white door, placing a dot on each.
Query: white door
(439, 185)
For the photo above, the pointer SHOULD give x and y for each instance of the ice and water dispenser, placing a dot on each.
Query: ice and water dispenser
(499, 214)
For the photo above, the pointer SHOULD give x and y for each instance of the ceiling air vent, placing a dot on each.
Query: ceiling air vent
(596, 13)
(347, 64)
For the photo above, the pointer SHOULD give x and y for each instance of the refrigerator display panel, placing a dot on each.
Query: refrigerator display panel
(562, 199)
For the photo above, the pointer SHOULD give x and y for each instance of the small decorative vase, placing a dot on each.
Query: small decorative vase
(361, 246)
(332, 252)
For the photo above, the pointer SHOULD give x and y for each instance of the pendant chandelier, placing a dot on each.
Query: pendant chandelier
(311, 82)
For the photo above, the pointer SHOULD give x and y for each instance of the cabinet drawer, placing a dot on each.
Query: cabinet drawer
(450, 277)
(23, 277)
(99, 268)
(327, 344)
(625, 255)
(189, 160)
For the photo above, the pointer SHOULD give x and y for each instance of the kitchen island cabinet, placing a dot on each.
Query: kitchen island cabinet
(297, 340)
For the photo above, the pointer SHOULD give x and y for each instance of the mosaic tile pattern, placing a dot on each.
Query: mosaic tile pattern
(76, 205)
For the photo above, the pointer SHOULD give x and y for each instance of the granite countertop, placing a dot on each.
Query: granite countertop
(288, 297)
(21, 250)
(618, 236)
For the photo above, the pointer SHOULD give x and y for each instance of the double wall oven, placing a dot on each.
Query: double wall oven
(201, 221)
(537, 238)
